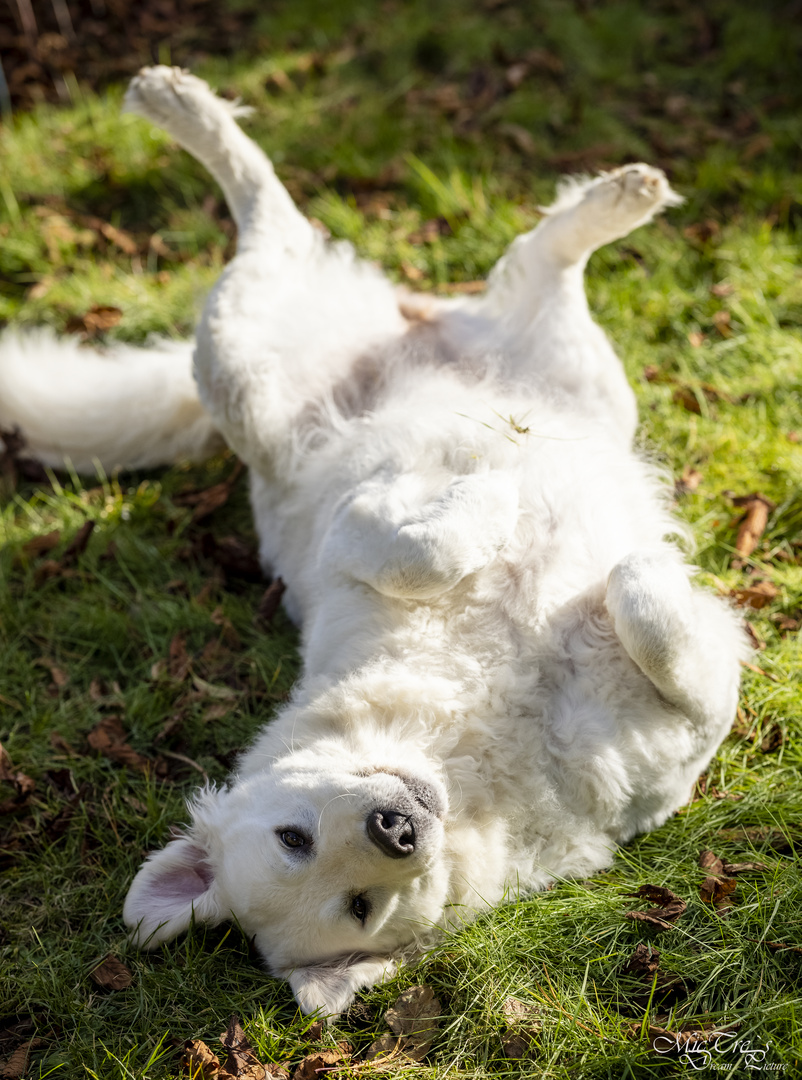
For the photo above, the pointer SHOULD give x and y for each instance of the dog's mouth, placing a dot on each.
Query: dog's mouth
(425, 795)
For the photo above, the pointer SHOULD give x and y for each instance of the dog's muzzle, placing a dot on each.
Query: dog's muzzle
(392, 832)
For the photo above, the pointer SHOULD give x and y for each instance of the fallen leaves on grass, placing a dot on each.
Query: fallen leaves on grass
(97, 320)
(77, 546)
(109, 738)
(688, 482)
(39, 545)
(709, 861)
(270, 602)
(206, 501)
(658, 986)
(717, 891)
(786, 624)
(17, 1065)
(316, 1065)
(755, 595)
(523, 1023)
(413, 1019)
(644, 961)
(240, 1058)
(199, 1060)
(22, 784)
(670, 907)
(753, 524)
(179, 663)
(241, 1063)
(112, 974)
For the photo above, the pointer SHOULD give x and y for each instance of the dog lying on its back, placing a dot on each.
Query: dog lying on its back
(506, 669)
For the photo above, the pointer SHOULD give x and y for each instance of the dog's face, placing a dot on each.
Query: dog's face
(329, 864)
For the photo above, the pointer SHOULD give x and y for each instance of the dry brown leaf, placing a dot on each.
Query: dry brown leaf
(644, 961)
(756, 595)
(179, 663)
(743, 867)
(108, 737)
(201, 1063)
(23, 785)
(786, 624)
(670, 907)
(658, 986)
(271, 601)
(717, 890)
(721, 321)
(213, 498)
(696, 339)
(688, 482)
(95, 321)
(77, 546)
(315, 1066)
(414, 1016)
(523, 1024)
(209, 499)
(757, 508)
(382, 1047)
(773, 739)
(17, 1064)
(777, 946)
(684, 396)
(722, 289)
(112, 974)
(241, 1062)
(230, 635)
(38, 545)
(709, 861)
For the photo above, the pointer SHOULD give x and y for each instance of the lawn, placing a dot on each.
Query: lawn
(136, 653)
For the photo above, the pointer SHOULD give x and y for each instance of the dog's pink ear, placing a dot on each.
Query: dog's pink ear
(172, 885)
(329, 988)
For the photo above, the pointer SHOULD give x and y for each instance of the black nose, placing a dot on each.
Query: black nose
(392, 832)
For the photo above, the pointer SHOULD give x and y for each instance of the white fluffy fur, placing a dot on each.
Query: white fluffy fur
(502, 646)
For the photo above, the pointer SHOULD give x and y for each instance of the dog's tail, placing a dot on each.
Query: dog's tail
(121, 407)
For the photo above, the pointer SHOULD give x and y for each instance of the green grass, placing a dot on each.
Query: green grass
(380, 121)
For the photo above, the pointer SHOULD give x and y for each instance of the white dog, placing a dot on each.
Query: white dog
(507, 671)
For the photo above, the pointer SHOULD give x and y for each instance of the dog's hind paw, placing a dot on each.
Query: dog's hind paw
(628, 194)
(176, 100)
(589, 213)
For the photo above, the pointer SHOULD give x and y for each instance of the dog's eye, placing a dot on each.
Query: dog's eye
(360, 908)
(292, 839)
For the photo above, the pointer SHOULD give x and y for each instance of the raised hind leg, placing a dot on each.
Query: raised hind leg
(289, 318)
(536, 305)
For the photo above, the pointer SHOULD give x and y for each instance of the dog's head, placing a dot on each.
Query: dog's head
(330, 864)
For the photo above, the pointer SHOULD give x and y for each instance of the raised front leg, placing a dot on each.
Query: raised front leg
(289, 318)
(686, 641)
(206, 126)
